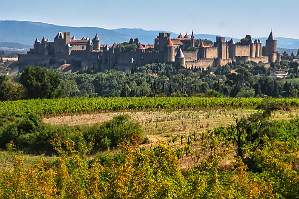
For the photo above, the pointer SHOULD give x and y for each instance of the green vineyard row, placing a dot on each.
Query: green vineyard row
(45, 107)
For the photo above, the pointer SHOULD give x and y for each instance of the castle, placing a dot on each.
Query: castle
(185, 50)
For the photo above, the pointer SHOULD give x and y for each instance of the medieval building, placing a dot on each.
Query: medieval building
(185, 50)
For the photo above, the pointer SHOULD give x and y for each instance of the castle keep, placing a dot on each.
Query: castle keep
(185, 50)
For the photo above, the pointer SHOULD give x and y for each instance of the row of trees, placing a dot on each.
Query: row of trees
(249, 80)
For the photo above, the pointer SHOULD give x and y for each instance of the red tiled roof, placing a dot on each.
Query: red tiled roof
(170, 42)
(79, 42)
(176, 42)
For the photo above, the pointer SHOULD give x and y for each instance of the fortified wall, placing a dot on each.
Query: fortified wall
(185, 50)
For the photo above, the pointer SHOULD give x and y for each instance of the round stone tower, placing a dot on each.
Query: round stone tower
(170, 51)
(180, 58)
(271, 45)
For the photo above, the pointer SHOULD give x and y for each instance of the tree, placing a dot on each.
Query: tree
(67, 88)
(10, 90)
(40, 82)
(246, 92)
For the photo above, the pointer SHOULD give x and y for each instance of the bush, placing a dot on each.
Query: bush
(10, 90)
(29, 134)
(40, 82)
(120, 129)
(20, 130)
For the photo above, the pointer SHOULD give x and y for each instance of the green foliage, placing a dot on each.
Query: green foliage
(158, 79)
(128, 47)
(120, 129)
(29, 134)
(246, 92)
(265, 166)
(269, 149)
(40, 82)
(10, 90)
(21, 131)
(45, 107)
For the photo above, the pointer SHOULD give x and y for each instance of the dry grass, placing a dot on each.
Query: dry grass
(286, 115)
(160, 125)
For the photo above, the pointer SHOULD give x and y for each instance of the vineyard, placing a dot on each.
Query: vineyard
(87, 105)
(149, 148)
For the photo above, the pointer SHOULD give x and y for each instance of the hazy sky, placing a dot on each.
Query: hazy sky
(224, 17)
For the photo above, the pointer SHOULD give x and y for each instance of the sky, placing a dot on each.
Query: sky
(222, 17)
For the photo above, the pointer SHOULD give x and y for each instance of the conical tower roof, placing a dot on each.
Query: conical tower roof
(271, 36)
(192, 34)
(44, 40)
(180, 54)
(96, 38)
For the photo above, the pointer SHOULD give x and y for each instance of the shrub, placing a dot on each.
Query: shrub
(120, 129)
(29, 134)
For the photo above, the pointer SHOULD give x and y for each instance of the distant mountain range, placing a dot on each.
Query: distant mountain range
(21, 34)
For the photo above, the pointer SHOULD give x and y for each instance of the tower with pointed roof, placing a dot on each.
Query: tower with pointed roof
(36, 43)
(271, 45)
(253, 48)
(192, 40)
(271, 48)
(180, 58)
(96, 43)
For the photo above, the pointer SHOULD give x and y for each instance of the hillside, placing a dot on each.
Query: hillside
(10, 32)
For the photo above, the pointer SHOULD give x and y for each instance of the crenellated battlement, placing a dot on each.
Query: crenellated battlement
(184, 50)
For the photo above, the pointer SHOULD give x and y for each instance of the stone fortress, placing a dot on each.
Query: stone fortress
(185, 50)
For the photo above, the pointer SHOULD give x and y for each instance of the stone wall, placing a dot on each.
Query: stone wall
(190, 55)
(202, 63)
(242, 51)
(37, 60)
(78, 47)
(211, 53)
(222, 62)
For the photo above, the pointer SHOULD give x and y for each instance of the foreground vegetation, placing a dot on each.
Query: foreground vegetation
(264, 164)
(88, 105)
(255, 157)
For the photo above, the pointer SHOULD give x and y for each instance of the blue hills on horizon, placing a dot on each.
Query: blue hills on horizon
(21, 34)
